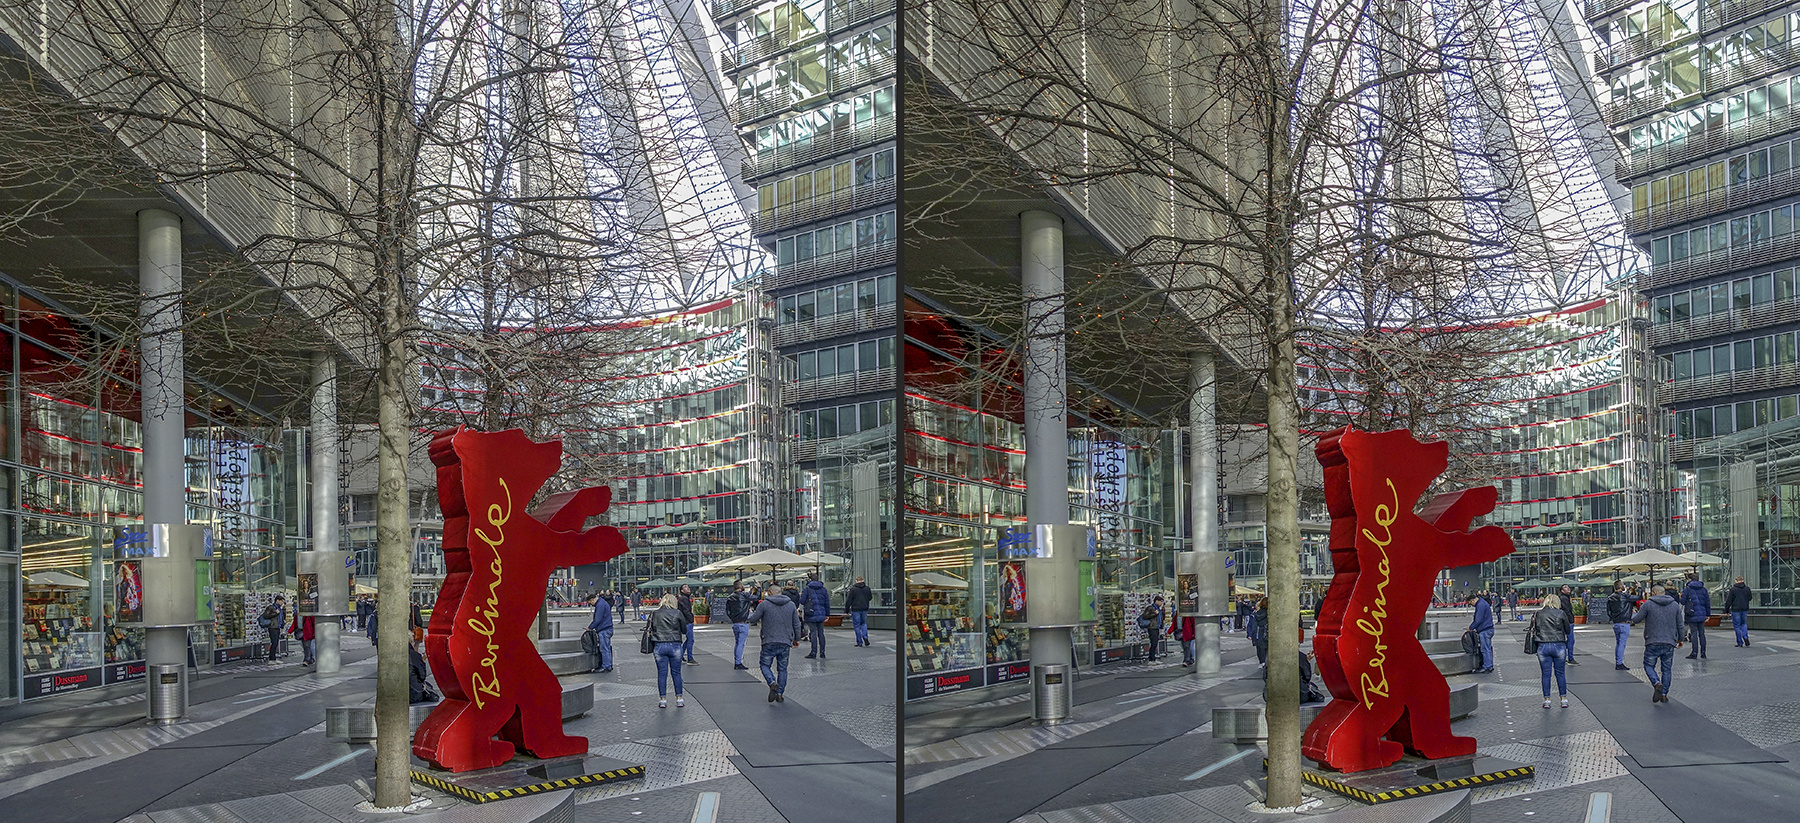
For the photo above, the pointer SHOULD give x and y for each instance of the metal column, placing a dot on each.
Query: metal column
(1203, 458)
(161, 364)
(324, 470)
(1046, 401)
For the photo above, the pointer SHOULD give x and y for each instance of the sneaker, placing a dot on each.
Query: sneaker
(680, 702)
(773, 695)
(663, 704)
(1565, 702)
(1546, 702)
(1656, 695)
(780, 698)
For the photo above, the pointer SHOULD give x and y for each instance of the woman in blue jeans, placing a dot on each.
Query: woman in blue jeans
(668, 629)
(1550, 626)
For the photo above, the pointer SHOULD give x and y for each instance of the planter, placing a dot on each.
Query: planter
(1712, 621)
(1580, 619)
(699, 619)
(834, 620)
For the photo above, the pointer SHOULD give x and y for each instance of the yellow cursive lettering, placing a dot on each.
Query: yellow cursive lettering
(1375, 624)
(486, 621)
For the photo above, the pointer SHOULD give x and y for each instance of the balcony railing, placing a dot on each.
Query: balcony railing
(839, 385)
(1754, 317)
(1766, 378)
(828, 266)
(722, 9)
(1592, 9)
(747, 109)
(873, 130)
(1628, 50)
(1720, 262)
(838, 17)
(851, 322)
(1713, 141)
(819, 208)
(1691, 208)
(1719, 15)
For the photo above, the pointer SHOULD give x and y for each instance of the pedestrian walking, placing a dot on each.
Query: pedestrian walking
(374, 623)
(669, 626)
(1567, 599)
(815, 601)
(738, 608)
(1698, 604)
(856, 602)
(273, 621)
(1661, 617)
(1737, 604)
(1259, 630)
(637, 602)
(1512, 602)
(1619, 610)
(1190, 652)
(780, 630)
(602, 627)
(418, 686)
(1483, 627)
(303, 629)
(685, 602)
(1549, 629)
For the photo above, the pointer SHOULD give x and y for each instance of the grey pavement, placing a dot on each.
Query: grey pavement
(1138, 745)
(252, 747)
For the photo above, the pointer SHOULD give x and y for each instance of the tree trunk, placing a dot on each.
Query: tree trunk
(1283, 555)
(393, 732)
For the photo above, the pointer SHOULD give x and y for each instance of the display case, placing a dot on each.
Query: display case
(58, 630)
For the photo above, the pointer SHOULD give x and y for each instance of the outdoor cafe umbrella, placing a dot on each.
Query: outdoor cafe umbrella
(820, 559)
(772, 559)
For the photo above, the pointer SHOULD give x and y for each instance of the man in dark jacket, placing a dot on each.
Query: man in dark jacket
(738, 607)
(1737, 603)
(1618, 610)
(816, 602)
(1483, 627)
(1698, 603)
(603, 635)
(685, 602)
(1661, 617)
(780, 633)
(1568, 596)
(856, 602)
(1151, 621)
(1512, 603)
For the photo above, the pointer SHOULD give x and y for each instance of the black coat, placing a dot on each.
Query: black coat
(1738, 598)
(858, 597)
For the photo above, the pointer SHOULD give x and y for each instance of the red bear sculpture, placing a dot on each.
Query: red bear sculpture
(497, 561)
(1385, 560)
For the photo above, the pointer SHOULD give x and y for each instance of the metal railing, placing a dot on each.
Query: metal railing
(840, 385)
(1720, 262)
(1600, 8)
(838, 18)
(764, 164)
(831, 265)
(819, 208)
(1783, 375)
(1692, 207)
(1755, 317)
(1711, 142)
(850, 322)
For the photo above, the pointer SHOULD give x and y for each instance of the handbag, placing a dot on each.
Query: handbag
(1531, 641)
(644, 644)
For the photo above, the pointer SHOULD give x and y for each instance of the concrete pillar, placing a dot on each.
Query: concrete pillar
(324, 470)
(1203, 463)
(163, 408)
(1046, 398)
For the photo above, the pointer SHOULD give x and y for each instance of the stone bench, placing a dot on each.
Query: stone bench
(356, 724)
(1246, 723)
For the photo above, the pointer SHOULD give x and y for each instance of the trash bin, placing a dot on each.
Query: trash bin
(1052, 692)
(168, 692)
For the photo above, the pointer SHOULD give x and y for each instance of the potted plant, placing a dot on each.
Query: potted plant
(1580, 607)
(701, 610)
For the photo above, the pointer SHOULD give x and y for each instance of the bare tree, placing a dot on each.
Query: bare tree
(396, 173)
(1330, 175)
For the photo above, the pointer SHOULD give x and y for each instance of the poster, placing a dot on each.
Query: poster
(1187, 594)
(128, 592)
(1012, 592)
(306, 597)
(1090, 591)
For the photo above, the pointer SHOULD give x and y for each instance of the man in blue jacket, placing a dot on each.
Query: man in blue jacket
(1483, 627)
(603, 633)
(1698, 604)
(815, 601)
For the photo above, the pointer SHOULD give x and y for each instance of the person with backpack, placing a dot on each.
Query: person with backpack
(273, 621)
(1619, 610)
(1483, 627)
(815, 601)
(737, 607)
(602, 627)
(1698, 603)
(1151, 621)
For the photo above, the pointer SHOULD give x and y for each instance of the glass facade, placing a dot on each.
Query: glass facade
(71, 470)
(1739, 499)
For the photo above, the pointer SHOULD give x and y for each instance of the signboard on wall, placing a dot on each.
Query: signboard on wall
(124, 672)
(44, 685)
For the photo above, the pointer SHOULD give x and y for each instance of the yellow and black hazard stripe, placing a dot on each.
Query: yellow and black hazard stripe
(1370, 797)
(474, 796)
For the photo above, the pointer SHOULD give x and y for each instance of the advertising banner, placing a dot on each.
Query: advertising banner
(306, 593)
(128, 592)
(1012, 592)
(44, 685)
(947, 682)
(125, 672)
